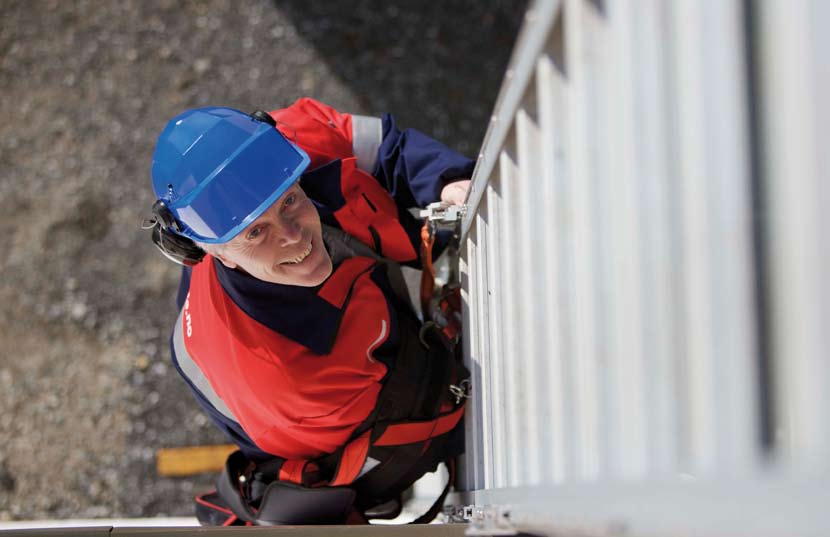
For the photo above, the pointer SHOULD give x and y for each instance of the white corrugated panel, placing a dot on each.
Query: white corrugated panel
(640, 260)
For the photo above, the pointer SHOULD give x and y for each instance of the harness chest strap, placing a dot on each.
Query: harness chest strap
(354, 457)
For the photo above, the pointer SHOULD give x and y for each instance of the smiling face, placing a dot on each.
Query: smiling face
(284, 245)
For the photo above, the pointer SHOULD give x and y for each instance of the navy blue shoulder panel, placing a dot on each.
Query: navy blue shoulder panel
(322, 184)
(295, 312)
(414, 167)
(184, 287)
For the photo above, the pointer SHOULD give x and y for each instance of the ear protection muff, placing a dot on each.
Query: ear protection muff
(165, 228)
(175, 247)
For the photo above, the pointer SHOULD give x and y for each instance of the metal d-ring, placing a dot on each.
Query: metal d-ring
(462, 390)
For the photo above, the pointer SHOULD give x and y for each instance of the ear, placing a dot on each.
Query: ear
(225, 261)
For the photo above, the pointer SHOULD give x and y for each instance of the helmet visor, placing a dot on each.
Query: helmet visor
(241, 188)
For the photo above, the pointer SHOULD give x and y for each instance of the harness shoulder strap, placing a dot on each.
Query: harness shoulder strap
(341, 245)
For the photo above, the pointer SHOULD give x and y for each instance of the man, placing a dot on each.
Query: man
(295, 333)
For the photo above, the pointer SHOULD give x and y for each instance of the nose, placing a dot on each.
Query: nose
(290, 231)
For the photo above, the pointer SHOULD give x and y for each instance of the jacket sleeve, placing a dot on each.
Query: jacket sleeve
(414, 167)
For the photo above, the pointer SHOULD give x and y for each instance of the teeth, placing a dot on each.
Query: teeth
(298, 258)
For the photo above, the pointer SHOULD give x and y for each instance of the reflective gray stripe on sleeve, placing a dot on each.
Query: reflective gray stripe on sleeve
(367, 134)
(193, 373)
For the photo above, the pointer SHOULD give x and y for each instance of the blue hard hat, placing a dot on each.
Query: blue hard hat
(218, 169)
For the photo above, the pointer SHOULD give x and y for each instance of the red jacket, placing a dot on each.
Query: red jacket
(291, 371)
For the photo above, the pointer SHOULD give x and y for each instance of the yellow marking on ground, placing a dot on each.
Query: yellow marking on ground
(191, 460)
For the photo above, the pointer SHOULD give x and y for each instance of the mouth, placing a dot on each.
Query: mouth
(300, 258)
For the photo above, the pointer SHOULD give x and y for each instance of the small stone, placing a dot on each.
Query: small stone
(142, 363)
(201, 65)
(277, 32)
(78, 311)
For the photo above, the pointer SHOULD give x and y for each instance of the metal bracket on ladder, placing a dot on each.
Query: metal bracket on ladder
(488, 520)
(443, 214)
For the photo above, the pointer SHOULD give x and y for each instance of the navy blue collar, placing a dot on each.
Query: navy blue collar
(295, 312)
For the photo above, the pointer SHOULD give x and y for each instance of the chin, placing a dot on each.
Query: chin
(320, 275)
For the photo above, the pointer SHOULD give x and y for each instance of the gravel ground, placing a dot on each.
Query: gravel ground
(87, 393)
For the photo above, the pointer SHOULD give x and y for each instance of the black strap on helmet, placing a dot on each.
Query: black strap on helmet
(174, 246)
(265, 117)
(259, 115)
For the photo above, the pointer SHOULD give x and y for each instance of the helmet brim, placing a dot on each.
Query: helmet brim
(241, 188)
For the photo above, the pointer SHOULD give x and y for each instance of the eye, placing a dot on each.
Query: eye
(254, 233)
(290, 200)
